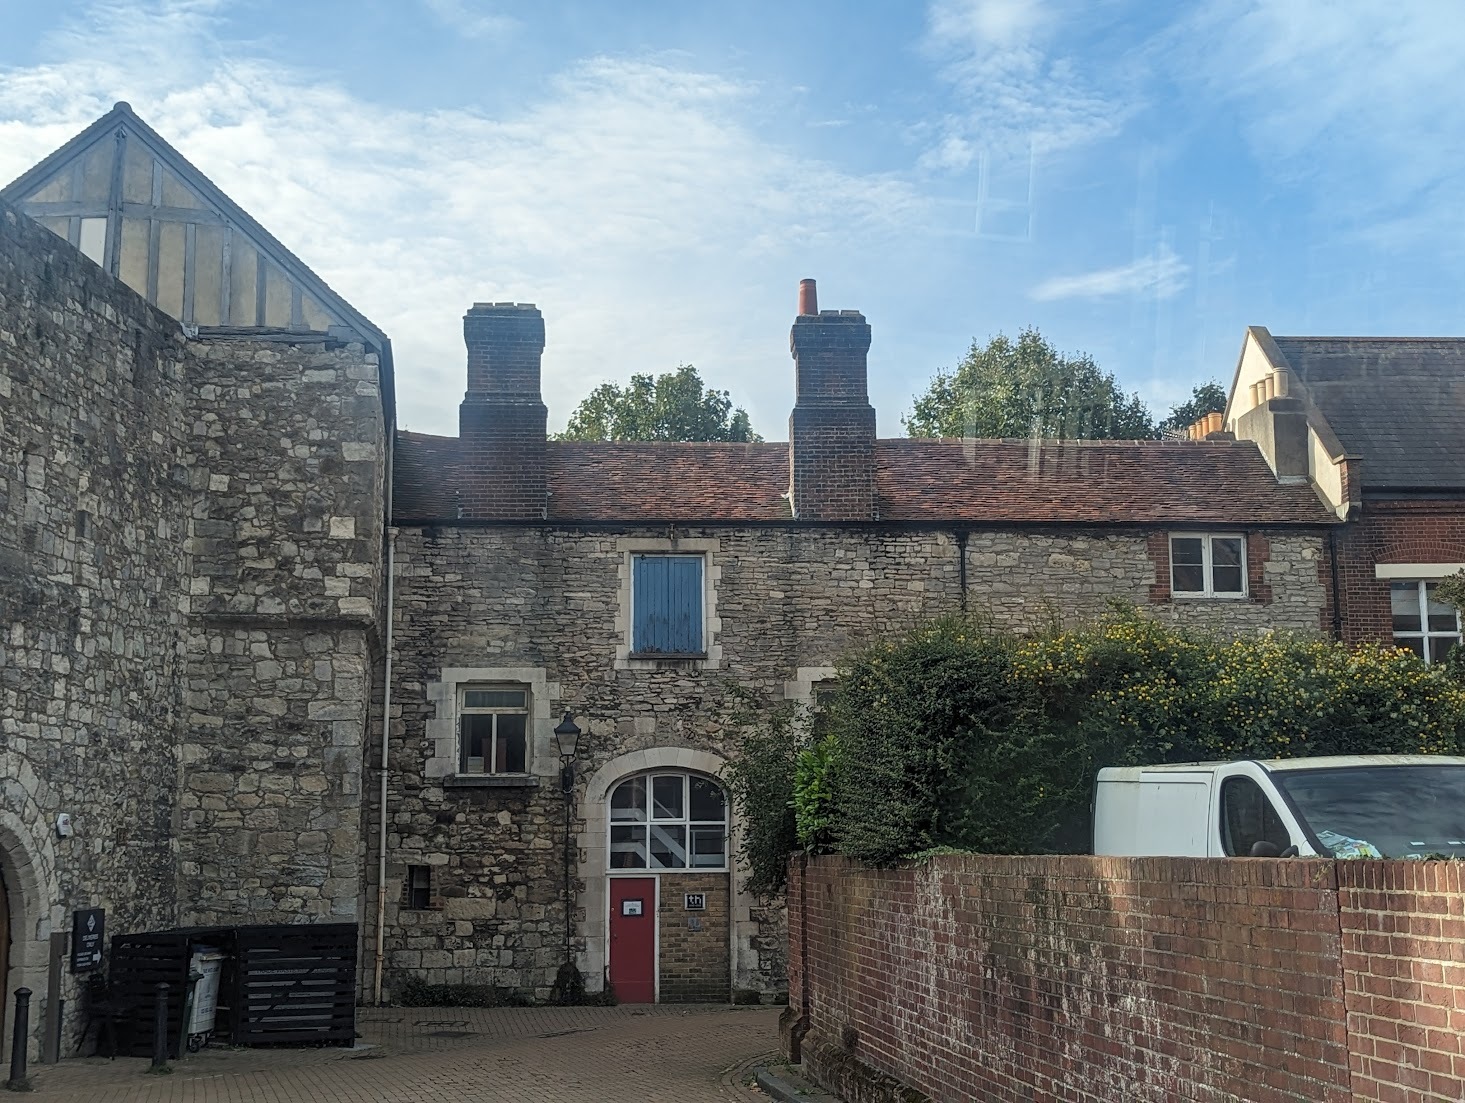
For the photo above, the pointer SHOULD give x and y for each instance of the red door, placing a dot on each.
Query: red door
(633, 938)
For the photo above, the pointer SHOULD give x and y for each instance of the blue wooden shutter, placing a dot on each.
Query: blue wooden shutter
(668, 605)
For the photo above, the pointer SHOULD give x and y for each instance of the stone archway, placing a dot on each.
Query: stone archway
(24, 873)
(593, 848)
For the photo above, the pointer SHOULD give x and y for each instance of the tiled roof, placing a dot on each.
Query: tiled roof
(1104, 481)
(938, 481)
(1399, 402)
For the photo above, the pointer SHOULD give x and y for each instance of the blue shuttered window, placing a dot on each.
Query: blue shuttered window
(667, 605)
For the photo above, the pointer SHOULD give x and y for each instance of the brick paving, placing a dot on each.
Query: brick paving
(663, 1054)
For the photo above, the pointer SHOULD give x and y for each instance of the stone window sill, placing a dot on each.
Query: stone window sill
(491, 781)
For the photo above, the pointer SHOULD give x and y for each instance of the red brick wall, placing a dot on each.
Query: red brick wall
(1404, 974)
(1391, 532)
(1090, 980)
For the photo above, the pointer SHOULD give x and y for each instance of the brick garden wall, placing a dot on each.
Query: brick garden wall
(1097, 979)
(1403, 929)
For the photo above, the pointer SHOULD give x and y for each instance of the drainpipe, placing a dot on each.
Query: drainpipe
(381, 860)
(961, 539)
(1337, 588)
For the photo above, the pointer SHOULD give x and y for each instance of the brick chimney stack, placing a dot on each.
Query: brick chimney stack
(831, 432)
(501, 424)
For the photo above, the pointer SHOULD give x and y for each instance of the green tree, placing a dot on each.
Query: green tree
(1027, 388)
(1452, 590)
(1208, 398)
(671, 406)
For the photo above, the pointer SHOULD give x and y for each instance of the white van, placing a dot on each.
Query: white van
(1350, 806)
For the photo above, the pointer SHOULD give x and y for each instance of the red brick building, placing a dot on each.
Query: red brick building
(1377, 425)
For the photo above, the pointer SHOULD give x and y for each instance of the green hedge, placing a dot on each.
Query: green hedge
(954, 736)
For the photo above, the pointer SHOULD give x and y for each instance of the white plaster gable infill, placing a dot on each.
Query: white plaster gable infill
(442, 729)
(710, 548)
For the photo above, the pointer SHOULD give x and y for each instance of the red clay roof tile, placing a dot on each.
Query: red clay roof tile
(937, 481)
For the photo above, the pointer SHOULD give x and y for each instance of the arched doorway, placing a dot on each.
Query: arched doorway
(670, 899)
(5, 995)
(699, 946)
(26, 862)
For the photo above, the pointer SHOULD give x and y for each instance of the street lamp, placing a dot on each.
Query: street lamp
(567, 735)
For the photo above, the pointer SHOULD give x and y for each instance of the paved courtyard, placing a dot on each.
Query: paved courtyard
(663, 1054)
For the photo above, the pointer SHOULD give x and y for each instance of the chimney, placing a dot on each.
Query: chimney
(1278, 425)
(501, 424)
(831, 432)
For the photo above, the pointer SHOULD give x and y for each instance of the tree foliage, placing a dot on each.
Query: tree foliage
(671, 406)
(760, 777)
(955, 736)
(1027, 388)
(1452, 590)
(1208, 398)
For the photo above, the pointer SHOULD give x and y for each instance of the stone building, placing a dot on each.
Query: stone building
(229, 590)
(1377, 426)
(193, 458)
(636, 586)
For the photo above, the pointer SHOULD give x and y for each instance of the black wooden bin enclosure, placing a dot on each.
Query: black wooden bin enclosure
(281, 985)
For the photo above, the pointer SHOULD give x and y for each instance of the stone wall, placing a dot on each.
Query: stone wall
(95, 496)
(287, 553)
(190, 566)
(548, 607)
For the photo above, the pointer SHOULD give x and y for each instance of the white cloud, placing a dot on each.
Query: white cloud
(1352, 99)
(631, 201)
(469, 19)
(1014, 87)
(1162, 275)
(978, 23)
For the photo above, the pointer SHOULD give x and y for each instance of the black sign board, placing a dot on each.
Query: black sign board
(88, 928)
(696, 901)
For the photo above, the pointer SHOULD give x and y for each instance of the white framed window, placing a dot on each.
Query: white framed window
(667, 600)
(1208, 564)
(1424, 624)
(668, 821)
(493, 729)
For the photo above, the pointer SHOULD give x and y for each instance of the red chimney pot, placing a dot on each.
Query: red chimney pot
(808, 297)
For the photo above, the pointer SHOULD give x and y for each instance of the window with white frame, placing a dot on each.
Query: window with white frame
(666, 605)
(1204, 564)
(1426, 625)
(493, 727)
(668, 821)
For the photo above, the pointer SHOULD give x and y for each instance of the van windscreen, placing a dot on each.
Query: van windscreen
(1382, 811)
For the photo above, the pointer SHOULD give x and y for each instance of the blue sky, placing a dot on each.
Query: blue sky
(1138, 180)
